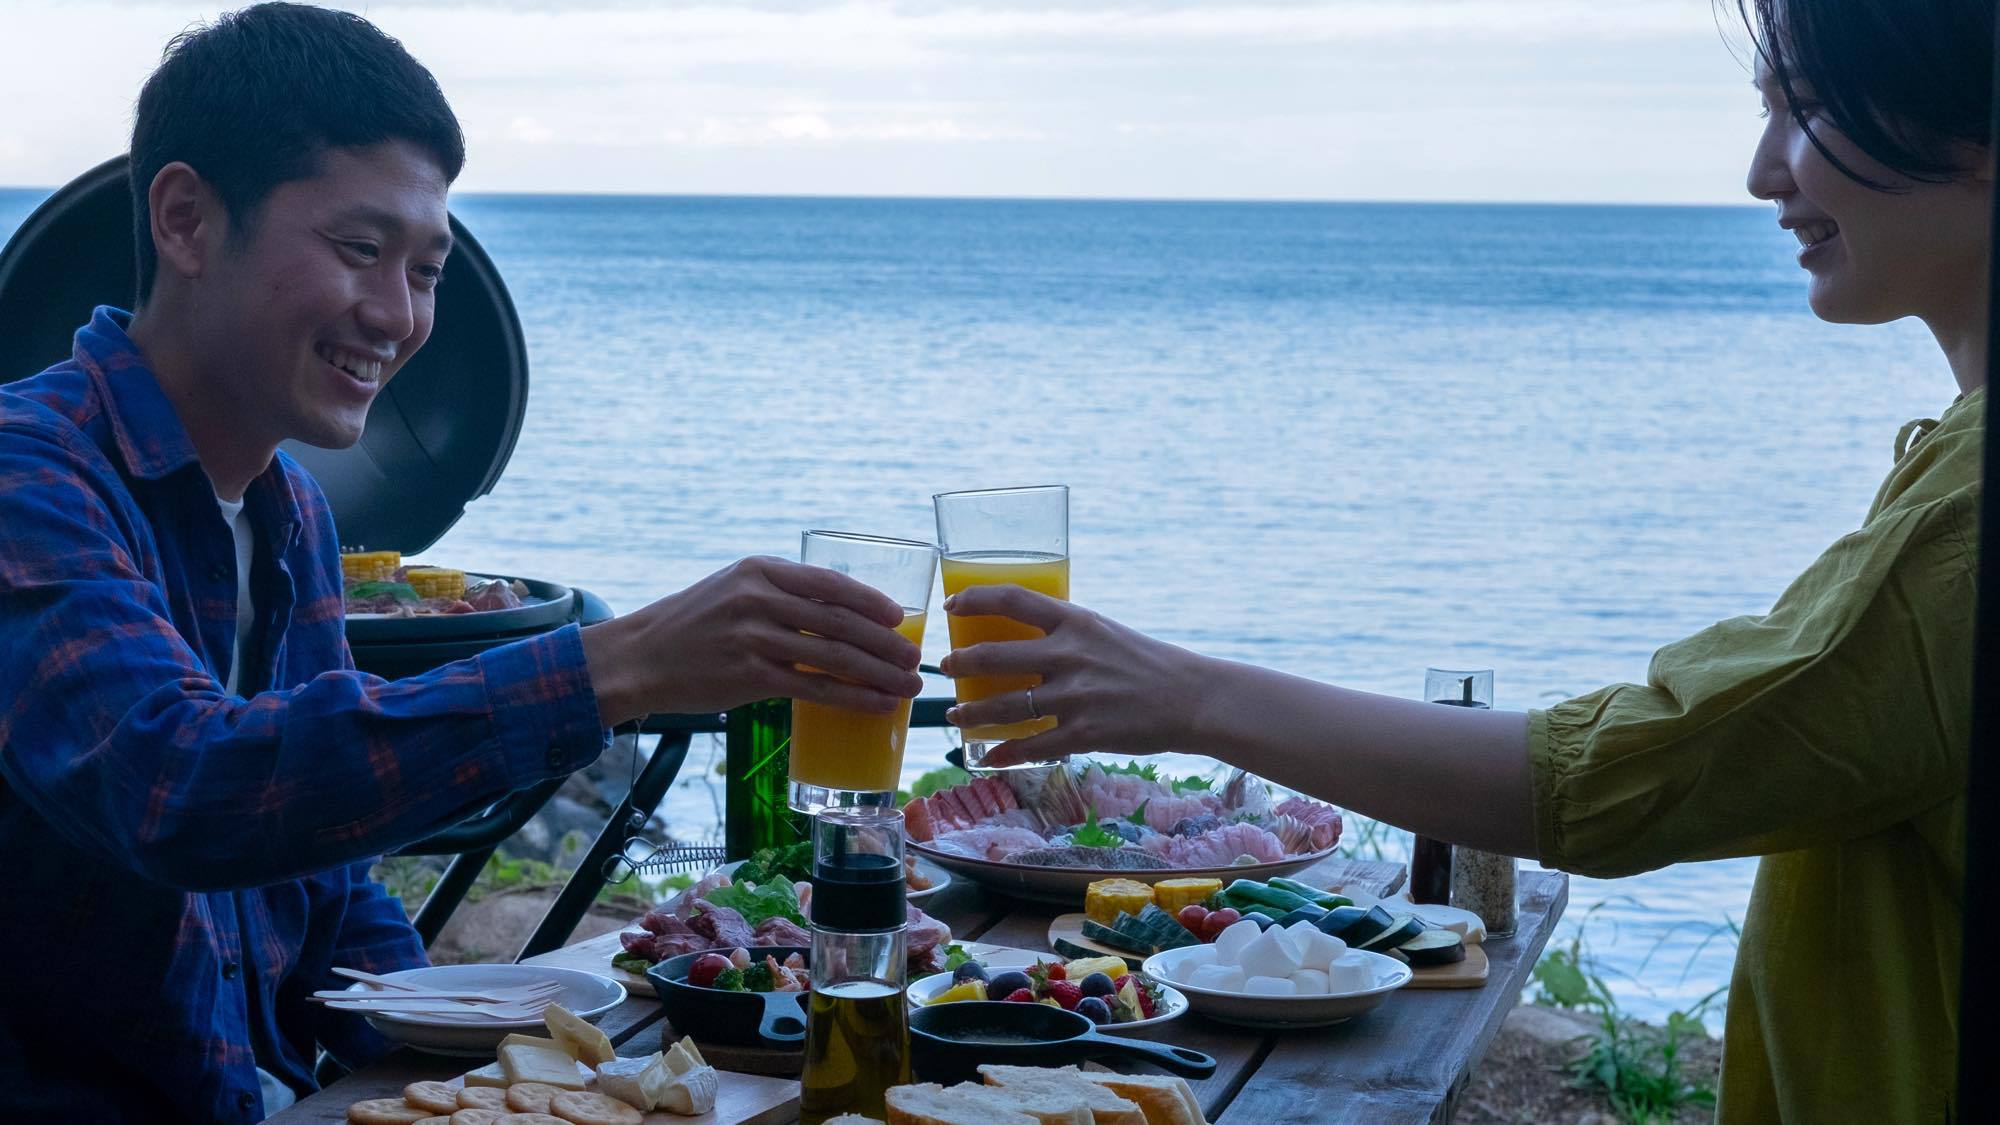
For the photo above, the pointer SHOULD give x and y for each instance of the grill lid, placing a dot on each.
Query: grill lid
(438, 435)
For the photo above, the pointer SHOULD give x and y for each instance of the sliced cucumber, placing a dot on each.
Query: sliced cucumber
(1433, 947)
(1402, 928)
(1264, 921)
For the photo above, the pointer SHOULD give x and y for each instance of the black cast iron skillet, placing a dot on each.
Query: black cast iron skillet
(949, 1041)
(750, 1019)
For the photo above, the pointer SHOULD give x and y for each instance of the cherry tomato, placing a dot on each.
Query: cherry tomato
(706, 968)
(1192, 916)
(1218, 921)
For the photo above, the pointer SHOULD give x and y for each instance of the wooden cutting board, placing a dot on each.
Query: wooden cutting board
(747, 1098)
(1469, 973)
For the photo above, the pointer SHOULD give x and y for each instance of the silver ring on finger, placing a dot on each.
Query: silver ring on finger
(1033, 712)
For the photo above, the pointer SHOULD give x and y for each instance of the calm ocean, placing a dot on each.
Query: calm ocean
(1345, 440)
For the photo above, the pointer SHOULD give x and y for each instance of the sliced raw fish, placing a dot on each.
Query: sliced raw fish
(989, 843)
(1108, 859)
(1217, 848)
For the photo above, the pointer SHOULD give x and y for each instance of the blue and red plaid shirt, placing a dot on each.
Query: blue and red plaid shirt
(183, 866)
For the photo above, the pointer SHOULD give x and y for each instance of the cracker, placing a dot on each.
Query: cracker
(530, 1097)
(531, 1119)
(477, 1116)
(590, 1108)
(483, 1097)
(435, 1097)
(440, 1120)
(385, 1111)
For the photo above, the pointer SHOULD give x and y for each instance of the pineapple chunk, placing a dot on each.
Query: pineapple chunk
(1113, 967)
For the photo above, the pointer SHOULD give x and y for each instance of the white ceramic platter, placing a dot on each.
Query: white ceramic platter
(1281, 1012)
(587, 994)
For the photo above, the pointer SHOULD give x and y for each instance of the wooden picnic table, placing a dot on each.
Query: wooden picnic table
(1406, 1061)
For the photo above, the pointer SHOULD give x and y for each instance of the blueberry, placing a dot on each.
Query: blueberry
(1097, 984)
(1004, 984)
(971, 970)
(1094, 1008)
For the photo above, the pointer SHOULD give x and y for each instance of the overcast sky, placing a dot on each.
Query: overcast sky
(1559, 100)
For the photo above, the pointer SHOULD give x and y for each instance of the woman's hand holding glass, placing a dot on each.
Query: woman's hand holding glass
(1113, 689)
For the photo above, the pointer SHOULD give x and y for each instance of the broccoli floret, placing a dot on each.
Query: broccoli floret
(757, 978)
(729, 980)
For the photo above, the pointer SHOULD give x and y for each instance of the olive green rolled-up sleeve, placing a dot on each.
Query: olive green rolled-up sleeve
(1844, 710)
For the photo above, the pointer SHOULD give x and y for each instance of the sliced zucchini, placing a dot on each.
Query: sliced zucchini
(1368, 927)
(1335, 921)
(1435, 946)
(1111, 938)
(1402, 929)
(1264, 921)
(1074, 951)
(1307, 913)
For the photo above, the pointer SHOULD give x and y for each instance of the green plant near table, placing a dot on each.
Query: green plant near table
(1636, 1064)
(411, 878)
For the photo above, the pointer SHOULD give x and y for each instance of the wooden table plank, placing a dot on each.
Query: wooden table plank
(1408, 1060)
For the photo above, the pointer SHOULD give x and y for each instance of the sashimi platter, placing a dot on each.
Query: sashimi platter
(1048, 833)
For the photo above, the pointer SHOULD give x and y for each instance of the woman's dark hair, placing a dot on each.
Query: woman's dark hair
(1908, 81)
(254, 100)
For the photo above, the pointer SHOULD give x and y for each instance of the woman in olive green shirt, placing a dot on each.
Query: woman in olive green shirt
(1829, 736)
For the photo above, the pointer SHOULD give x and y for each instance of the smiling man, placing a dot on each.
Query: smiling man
(194, 780)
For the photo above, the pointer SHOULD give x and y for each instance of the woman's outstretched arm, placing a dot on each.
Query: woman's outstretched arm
(1454, 773)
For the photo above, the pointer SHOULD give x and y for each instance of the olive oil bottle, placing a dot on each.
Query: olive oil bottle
(858, 1027)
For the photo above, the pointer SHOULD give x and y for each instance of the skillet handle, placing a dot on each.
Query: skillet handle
(782, 1022)
(1184, 1061)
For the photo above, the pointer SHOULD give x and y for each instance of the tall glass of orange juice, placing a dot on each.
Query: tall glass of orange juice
(996, 536)
(854, 759)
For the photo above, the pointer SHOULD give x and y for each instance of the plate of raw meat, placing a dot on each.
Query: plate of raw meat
(1048, 833)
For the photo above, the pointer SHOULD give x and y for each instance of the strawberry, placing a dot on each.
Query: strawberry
(1142, 991)
(1065, 994)
(1058, 972)
(1021, 996)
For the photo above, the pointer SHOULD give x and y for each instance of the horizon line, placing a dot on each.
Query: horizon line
(1282, 201)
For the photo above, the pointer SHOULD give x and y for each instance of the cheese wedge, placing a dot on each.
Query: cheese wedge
(684, 1056)
(639, 1083)
(693, 1093)
(526, 1062)
(489, 1075)
(585, 1043)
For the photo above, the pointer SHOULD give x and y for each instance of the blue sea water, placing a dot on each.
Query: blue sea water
(1345, 440)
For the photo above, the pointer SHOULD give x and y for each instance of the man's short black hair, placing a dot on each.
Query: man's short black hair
(255, 99)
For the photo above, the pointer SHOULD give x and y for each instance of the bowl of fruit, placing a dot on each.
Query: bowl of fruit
(1101, 989)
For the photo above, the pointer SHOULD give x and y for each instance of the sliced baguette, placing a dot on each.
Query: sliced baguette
(1165, 1099)
(1106, 1106)
(851, 1119)
(932, 1104)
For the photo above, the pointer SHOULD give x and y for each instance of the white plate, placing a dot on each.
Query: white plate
(1171, 1005)
(939, 877)
(587, 994)
(1284, 1011)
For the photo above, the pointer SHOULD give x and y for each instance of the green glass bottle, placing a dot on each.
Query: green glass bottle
(758, 812)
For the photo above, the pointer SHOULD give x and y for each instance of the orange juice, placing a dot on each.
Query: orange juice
(1044, 574)
(853, 750)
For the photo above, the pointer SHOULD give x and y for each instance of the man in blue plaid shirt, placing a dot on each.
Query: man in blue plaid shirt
(194, 780)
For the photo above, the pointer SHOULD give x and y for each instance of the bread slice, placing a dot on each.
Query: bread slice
(1165, 1098)
(1162, 1098)
(932, 1104)
(851, 1119)
(1106, 1107)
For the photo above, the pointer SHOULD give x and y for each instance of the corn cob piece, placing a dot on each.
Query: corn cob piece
(436, 581)
(1103, 899)
(1172, 894)
(370, 566)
